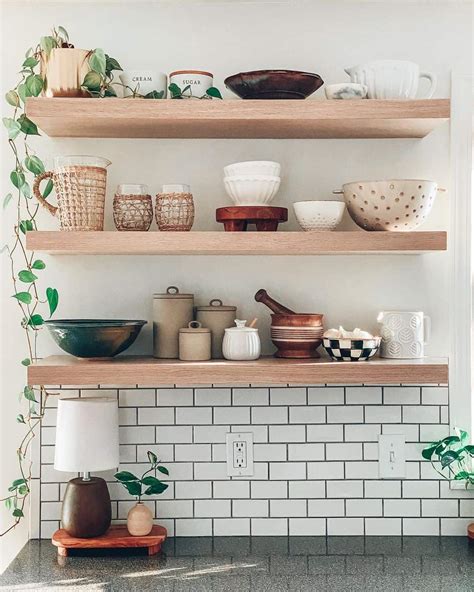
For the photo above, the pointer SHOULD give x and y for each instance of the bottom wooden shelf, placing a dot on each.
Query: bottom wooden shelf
(117, 537)
(67, 370)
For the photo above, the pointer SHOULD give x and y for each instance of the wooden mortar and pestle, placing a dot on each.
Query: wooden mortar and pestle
(295, 335)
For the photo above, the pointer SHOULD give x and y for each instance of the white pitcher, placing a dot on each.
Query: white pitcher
(391, 79)
(404, 334)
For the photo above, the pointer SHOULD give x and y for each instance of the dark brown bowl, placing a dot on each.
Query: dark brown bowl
(274, 84)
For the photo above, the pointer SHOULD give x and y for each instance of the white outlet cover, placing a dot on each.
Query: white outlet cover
(233, 470)
(392, 456)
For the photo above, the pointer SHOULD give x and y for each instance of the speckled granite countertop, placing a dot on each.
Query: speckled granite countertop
(242, 564)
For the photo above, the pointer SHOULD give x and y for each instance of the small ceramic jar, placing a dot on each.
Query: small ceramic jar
(139, 83)
(197, 80)
(241, 342)
(171, 312)
(218, 317)
(194, 343)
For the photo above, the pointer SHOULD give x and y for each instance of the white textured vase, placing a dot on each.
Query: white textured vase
(139, 520)
(404, 334)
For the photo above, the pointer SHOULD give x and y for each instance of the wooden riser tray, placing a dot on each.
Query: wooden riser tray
(117, 537)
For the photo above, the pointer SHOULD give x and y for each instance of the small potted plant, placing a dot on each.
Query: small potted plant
(140, 517)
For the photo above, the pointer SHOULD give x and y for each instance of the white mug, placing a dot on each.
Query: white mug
(391, 79)
(142, 82)
(404, 334)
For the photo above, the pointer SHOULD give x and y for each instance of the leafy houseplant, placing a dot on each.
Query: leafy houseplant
(454, 455)
(185, 93)
(140, 518)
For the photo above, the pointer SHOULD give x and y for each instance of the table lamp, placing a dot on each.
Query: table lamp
(86, 441)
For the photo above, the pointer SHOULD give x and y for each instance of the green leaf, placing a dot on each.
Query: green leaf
(20, 418)
(23, 92)
(462, 435)
(53, 299)
(448, 457)
(26, 276)
(34, 83)
(63, 33)
(47, 44)
(48, 188)
(7, 199)
(18, 513)
(214, 92)
(461, 476)
(469, 449)
(152, 457)
(38, 264)
(429, 450)
(13, 127)
(26, 190)
(17, 179)
(133, 487)
(163, 470)
(29, 394)
(23, 489)
(110, 92)
(111, 64)
(154, 94)
(30, 62)
(27, 126)
(97, 61)
(156, 488)
(26, 225)
(125, 476)
(12, 98)
(26, 362)
(24, 297)
(174, 90)
(18, 482)
(35, 320)
(92, 81)
(34, 165)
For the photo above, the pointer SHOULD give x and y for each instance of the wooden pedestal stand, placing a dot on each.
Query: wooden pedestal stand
(117, 537)
(265, 218)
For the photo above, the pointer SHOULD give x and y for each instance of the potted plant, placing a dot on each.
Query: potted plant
(140, 517)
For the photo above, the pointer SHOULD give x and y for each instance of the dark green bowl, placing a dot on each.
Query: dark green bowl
(94, 338)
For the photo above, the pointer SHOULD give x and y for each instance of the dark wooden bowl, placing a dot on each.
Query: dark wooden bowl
(274, 84)
(297, 335)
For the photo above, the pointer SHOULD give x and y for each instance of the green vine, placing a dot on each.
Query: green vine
(25, 267)
(453, 455)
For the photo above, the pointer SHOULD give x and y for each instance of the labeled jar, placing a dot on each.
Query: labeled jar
(175, 208)
(195, 343)
(196, 82)
(171, 312)
(241, 342)
(218, 317)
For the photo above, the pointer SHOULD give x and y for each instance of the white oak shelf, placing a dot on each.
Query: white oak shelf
(67, 370)
(235, 243)
(122, 118)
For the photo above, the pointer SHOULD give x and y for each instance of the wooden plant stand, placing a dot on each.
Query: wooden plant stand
(265, 218)
(117, 537)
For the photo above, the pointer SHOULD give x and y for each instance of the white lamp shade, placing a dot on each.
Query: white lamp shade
(87, 435)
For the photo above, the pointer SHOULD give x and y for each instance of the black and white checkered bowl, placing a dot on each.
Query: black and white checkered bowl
(351, 350)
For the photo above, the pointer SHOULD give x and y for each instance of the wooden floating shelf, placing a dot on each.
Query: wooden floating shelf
(67, 370)
(122, 118)
(234, 243)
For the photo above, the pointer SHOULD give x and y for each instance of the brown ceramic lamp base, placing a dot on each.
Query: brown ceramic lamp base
(86, 511)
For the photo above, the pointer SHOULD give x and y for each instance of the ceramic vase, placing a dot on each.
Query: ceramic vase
(139, 520)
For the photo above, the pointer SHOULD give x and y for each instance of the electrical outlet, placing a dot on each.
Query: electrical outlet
(239, 449)
(392, 456)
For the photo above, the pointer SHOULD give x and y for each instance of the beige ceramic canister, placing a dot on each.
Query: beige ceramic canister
(195, 343)
(218, 317)
(171, 312)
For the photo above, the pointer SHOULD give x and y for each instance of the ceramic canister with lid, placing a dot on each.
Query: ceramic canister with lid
(218, 317)
(171, 312)
(194, 343)
(196, 81)
(241, 342)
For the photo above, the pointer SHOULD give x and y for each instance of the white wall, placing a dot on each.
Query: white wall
(226, 38)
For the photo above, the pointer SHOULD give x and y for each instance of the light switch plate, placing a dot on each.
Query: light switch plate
(239, 451)
(392, 456)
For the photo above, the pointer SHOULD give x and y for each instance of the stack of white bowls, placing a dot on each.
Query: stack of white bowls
(252, 183)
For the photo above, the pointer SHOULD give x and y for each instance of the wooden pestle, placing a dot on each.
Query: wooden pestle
(276, 307)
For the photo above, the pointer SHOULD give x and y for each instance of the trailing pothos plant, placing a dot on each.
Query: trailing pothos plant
(146, 484)
(453, 455)
(186, 93)
(34, 302)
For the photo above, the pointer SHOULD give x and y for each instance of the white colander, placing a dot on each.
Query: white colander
(397, 204)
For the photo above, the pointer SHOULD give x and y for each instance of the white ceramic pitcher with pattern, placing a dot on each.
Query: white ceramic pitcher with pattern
(404, 334)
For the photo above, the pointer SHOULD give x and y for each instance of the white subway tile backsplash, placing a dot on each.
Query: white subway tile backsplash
(315, 460)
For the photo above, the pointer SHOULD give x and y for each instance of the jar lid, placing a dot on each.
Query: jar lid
(177, 72)
(194, 327)
(173, 292)
(241, 327)
(216, 305)
(176, 188)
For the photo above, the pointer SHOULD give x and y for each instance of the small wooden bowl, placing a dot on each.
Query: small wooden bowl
(297, 335)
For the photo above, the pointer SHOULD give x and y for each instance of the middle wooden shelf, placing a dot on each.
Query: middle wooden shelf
(235, 243)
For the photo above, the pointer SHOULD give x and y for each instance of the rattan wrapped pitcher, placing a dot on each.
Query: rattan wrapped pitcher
(80, 183)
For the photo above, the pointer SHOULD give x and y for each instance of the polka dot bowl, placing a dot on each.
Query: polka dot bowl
(319, 215)
(398, 205)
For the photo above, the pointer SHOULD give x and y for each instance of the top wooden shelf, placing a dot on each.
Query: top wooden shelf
(126, 118)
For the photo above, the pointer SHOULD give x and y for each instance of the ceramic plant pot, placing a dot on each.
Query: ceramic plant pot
(63, 72)
(404, 334)
(139, 520)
